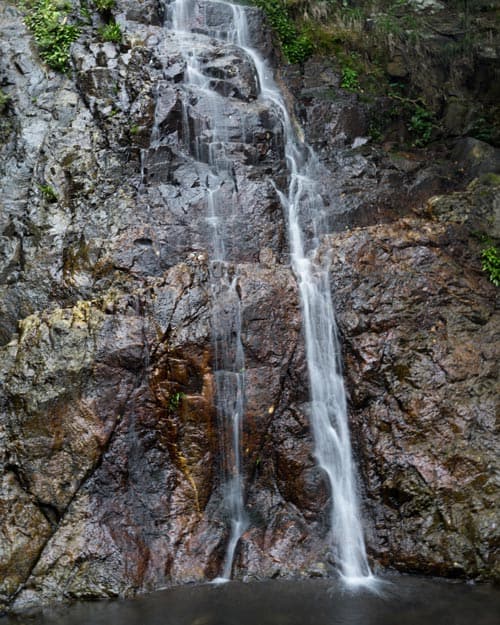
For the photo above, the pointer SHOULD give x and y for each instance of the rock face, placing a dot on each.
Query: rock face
(115, 443)
(421, 328)
(109, 441)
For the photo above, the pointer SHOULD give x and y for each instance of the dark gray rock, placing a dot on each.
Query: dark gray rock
(476, 157)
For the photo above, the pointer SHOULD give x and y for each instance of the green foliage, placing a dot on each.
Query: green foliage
(4, 100)
(490, 261)
(350, 79)
(48, 21)
(86, 14)
(103, 6)
(387, 24)
(175, 400)
(299, 50)
(419, 120)
(421, 125)
(48, 192)
(352, 13)
(111, 32)
(297, 45)
(483, 130)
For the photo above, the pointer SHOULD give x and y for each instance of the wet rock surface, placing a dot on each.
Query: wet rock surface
(366, 182)
(109, 453)
(111, 443)
(420, 325)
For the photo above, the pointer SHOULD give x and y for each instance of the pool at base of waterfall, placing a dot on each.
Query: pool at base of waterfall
(400, 600)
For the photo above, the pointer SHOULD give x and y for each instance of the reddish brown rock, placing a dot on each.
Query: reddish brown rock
(420, 326)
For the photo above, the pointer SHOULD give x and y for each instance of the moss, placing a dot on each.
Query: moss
(4, 101)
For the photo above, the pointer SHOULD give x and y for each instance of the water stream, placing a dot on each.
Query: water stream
(303, 208)
(207, 144)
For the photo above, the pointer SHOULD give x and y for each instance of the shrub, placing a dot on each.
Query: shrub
(421, 125)
(350, 79)
(297, 46)
(48, 21)
(490, 257)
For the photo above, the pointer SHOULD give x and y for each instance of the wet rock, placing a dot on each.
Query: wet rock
(24, 531)
(396, 68)
(418, 319)
(217, 19)
(109, 441)
(476, 157)
(118, 454)
(144, 11)
(232, 75)
(477, 208)
(361, 183)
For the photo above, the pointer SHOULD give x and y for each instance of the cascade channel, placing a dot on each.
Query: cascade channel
(209, 143)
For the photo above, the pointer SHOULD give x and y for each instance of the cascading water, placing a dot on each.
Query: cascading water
(207, 145)
(303, 205)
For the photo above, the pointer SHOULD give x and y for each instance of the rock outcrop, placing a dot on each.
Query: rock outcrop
(109, 450)
(420, 325)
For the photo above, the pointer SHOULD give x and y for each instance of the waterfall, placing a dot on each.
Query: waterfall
(207, 145)
(304, 209)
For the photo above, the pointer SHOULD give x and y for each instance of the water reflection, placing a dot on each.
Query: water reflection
(405, 601)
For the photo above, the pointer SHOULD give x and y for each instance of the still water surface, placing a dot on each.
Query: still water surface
(405, 601)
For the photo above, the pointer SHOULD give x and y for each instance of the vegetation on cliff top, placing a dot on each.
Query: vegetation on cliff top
(393, 48)
(56, 24)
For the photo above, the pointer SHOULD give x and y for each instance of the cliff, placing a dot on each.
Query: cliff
(109, 450)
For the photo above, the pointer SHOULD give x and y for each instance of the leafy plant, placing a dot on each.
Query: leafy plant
(103, 6)
(111, 32)
(48, 192)
(490, 257)
(350, 79)
(375, 131)
(297, 46)
(421, 125)
(53, 33)
(482, 129)
(175, 400)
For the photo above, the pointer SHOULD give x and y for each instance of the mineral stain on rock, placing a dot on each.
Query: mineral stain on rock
(108, 446)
